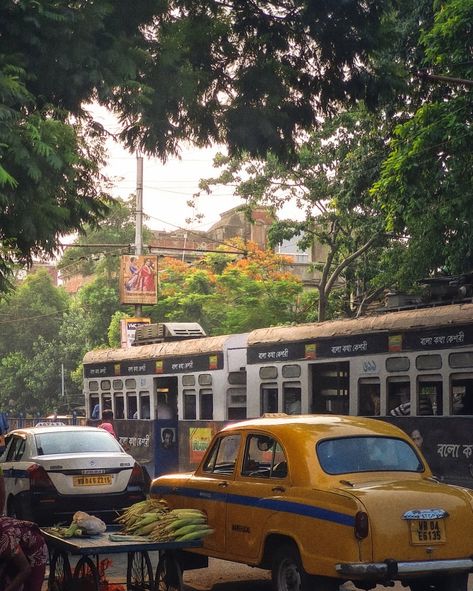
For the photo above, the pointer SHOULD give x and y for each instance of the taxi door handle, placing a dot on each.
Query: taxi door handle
(223, 484)
(279, 489)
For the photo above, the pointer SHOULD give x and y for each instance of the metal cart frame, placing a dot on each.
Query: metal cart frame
(140, 576)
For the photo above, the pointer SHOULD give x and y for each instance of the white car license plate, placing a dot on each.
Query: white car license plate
(91, 480)
(428, 531)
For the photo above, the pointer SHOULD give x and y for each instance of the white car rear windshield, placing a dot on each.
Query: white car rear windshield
(74, 442)
(367, 454)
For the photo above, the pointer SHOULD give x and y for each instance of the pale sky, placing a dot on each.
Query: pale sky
(168, 187)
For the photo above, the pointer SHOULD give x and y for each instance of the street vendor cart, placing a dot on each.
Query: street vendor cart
(139, 575)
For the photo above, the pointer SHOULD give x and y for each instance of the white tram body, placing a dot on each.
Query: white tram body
(416, 364)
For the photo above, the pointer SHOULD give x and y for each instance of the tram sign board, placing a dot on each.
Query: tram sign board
(165, 365)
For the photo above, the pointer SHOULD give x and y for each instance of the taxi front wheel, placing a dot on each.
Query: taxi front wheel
(287, 572)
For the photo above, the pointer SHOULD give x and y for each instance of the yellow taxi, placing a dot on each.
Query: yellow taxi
(321, 500)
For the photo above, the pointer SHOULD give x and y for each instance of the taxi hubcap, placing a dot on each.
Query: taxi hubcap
(290, 579)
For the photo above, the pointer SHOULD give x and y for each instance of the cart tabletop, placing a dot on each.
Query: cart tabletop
(101, 543)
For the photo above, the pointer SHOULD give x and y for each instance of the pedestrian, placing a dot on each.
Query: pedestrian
(23, 552)
(107, 422)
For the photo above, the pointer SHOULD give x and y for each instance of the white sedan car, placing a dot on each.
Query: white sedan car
(51, 472)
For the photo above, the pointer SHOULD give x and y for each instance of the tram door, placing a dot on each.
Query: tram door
(166, 439)
(330, 384)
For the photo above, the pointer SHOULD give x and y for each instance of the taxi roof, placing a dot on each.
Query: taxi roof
(326, 424)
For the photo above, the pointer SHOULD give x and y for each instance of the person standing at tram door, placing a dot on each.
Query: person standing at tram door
(107, 422)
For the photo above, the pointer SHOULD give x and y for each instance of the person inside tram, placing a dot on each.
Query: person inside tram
(404, 409)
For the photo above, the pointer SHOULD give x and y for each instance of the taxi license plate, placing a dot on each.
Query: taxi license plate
(427, 531)
(91, 480)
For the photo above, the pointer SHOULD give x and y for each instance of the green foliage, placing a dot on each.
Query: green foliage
(244, 73)
(426, 182)
(35, 308)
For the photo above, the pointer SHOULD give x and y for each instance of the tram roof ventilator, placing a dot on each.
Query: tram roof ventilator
(147, 334)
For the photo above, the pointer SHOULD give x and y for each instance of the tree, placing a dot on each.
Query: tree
(250, 74)
(246, 293)
(33, 346)
(35, 308)
(330, 182)
(426, 182)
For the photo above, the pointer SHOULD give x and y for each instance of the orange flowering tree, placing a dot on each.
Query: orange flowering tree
(229, 293)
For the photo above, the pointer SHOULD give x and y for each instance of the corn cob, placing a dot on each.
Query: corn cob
(196, 535)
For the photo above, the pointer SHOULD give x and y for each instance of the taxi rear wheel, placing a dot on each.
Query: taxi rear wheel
(287, 573)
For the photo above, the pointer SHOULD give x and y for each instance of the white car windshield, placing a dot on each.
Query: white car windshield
(74, 442)
(367, 454)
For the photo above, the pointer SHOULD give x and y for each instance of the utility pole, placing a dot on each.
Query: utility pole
(139, 218)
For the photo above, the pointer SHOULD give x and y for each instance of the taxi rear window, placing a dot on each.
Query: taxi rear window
(367, 454)
(69, 442)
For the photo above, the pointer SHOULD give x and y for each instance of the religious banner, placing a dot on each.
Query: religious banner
(138, 279)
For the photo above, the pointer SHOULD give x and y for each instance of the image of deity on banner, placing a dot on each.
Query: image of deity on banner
(138, 279)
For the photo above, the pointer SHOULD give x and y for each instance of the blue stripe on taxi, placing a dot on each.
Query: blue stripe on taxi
(260, 503)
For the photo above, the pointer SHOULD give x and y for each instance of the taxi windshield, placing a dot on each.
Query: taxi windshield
(367, 454)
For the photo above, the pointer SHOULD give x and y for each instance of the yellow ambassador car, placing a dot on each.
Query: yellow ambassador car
(321, 500)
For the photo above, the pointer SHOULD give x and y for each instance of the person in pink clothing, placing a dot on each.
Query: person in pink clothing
(107, 422)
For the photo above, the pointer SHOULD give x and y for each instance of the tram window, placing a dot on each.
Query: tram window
(461, 359)
(368, 398)
(117, 384)
(206, 400)
(190, 406)
(428, 362)
(291, 371)
(461, 394)
(269, 372)
(237, 378)
(291, 398)
(130, 383)
(105, 385)
(93, 386)
(429, 397)
(145, 412)
(205, 379)
(330, 393)
(132, 405)
(236, 403)
(399, 397)
(397, 364)
(188, 380)
(119, 405)
(93, 402)
(269, 398)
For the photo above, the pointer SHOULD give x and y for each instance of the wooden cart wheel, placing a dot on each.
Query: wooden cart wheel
(86, 572)
(168, 573)
(59, 572)
(139, 572)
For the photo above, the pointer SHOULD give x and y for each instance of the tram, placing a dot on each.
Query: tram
(412, 367)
